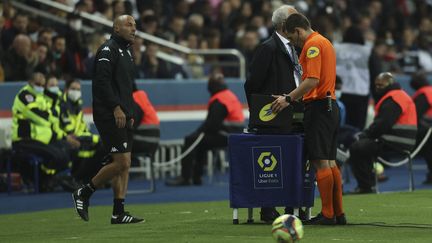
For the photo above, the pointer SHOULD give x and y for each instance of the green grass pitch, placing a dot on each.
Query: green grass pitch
(392, 217)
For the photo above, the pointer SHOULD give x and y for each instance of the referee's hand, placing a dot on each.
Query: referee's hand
(120, 117)
(279, 103)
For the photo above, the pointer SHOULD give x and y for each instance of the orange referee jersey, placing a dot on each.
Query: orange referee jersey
(318, 60)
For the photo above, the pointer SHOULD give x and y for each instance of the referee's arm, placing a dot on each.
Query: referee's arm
(215, 117)
(388, 115)
(307, 85)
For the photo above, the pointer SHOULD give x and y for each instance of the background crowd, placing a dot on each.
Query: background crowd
(400, 33)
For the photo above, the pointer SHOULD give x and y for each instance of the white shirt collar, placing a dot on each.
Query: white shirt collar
(284, 40)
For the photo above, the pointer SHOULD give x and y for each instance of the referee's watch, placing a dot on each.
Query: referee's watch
(288, 99)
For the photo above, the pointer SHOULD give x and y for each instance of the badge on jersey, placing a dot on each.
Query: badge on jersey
(312, 52)
(29, 98)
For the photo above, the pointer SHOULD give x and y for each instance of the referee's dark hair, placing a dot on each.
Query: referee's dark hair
(296, 20)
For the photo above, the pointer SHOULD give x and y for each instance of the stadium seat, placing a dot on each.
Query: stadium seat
(216, 160)
(407, 159)
(165, 159)
(146, 167)
(33, 160)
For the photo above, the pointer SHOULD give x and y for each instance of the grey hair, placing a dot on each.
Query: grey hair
(281, 14)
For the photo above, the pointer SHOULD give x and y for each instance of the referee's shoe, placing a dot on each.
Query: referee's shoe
(125, 218)
(81, 204)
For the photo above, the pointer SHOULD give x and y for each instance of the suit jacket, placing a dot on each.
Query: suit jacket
(271, 72)
(271, 69)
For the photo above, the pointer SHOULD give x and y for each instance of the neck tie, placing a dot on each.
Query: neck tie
(298, 71)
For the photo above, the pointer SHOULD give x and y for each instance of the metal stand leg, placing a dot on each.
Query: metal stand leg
(250, 216)
(152, 187)
(235, 216)
(152, 179)
(411, 175)
(308, 213)
(210, 166)
(296, 212)
(376, 182)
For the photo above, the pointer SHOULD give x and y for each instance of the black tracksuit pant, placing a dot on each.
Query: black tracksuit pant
(193, 163)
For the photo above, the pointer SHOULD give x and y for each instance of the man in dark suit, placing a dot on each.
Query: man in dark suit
(275, 70)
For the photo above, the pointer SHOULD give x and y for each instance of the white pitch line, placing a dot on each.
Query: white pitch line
(357, 240)
(185, 212)
(72, 238)
(246, 236)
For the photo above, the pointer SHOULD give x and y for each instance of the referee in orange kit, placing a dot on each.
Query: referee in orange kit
(321, 117)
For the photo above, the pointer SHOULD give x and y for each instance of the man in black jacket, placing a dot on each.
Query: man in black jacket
(225, 115)
(274, 63)
(113, 116)
(394, 129)
(275, 70)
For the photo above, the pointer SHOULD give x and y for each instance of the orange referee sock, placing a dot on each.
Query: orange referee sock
(325, 182)
(337, 191)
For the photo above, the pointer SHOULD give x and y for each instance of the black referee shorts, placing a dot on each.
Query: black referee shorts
(114, 139)
(321, 128)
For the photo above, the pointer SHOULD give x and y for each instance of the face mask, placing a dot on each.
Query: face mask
(74, 95)
(338, 94)
(38, 89)
(53, 89)
(263, 32)
(76, 24)
(56, 55)
(381, 92)
(369, 43)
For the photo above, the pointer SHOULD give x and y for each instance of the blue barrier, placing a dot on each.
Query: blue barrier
(160, 92)
(165, 95)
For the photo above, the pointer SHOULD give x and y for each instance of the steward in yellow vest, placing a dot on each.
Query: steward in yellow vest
(91, 152)
(33, 133)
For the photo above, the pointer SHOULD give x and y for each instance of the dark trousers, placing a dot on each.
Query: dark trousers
(356, 107)
(362, 154)
(56, 155)
(346, 136)
(84, 169)
(193, 163)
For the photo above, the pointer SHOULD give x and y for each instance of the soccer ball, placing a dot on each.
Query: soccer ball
(287, 228)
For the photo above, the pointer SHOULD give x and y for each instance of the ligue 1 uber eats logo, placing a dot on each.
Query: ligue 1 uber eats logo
(267, 161)
(266, 114)
(267, 167)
